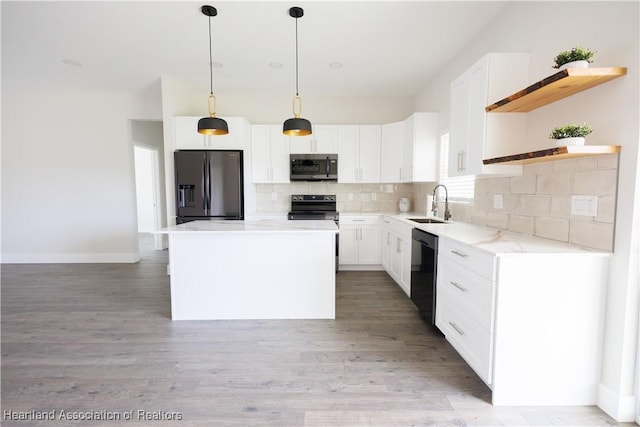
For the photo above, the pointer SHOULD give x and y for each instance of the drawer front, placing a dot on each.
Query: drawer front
(471, 341)
(359, 220)
(483, 263)
(467, 290)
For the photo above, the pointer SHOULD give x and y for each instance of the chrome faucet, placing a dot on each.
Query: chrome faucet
(434, 207)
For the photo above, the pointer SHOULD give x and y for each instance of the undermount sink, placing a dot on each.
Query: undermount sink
(427, 220)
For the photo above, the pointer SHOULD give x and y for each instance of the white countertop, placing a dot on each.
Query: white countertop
(493, 240)
(260, 226)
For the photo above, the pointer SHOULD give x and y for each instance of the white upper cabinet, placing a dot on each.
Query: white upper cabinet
(269, 154)
(420, 150)
(391, 160)
(187, 136)
(323, 140)
(359, 153)
(475, 135)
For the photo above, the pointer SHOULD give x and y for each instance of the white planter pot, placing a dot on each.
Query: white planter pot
(576, 140)
(575, 64)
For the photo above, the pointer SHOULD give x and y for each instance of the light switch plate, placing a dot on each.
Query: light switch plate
(584, 205)
(497, 201)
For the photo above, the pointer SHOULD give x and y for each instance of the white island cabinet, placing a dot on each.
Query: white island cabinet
(252, 269)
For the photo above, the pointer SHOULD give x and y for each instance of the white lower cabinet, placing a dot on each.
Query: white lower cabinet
(359, 241)
(529, 324)
(396, 252)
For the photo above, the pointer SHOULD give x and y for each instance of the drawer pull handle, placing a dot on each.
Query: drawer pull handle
(459, 253)
(457, 328)
(358, 220)
(457, 285)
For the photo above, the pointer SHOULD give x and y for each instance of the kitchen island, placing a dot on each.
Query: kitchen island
(262, 269)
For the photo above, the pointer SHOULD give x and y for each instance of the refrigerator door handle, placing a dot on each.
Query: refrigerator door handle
(209, 185)
(204, 188)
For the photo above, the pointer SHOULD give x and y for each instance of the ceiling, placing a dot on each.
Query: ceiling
(385, 48)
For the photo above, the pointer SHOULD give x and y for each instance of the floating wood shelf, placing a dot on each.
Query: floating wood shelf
(555, 153)
(555, 87)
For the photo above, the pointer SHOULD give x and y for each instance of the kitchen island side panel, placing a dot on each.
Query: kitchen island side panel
(252, 275)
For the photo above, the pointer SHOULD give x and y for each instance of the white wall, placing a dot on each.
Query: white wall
(612, 109)
(68, 192)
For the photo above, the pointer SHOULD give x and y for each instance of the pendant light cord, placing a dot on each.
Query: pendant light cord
(210, 60)
(297, 94)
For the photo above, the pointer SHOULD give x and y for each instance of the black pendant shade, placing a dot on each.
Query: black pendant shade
(296, 126)
(211, 125)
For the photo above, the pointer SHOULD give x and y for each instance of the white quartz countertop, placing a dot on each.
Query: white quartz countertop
(492, 240)
(253, 226)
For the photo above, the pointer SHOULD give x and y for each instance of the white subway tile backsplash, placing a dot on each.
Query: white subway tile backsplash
(606, 209)
(595, 235)
(522, 224)
(525, 184)
(558, 183)
(560, 207)
(536, 203)
(579, 164)
(552, 228)
(537, 206)
(498, 220)
(599, 182)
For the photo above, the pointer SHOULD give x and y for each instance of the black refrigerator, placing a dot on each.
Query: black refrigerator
(209, 185)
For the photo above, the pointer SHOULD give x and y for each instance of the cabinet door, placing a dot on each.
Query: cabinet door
(458, 126)
(396, 257)
(186, 133)
(478, 84)
(301, 144)
(323, 140)
(369, 244)
(391, 153)
(326, 139)
(426, 146)
(279, 155)
(405, 264)
(408, 135)
(348, 154)
(348, 253)
(260, 154)
(370, 145)
(387, 246)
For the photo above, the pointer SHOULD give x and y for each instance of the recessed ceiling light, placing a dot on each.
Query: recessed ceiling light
(335, 64)
(275, 64)
(71, 62)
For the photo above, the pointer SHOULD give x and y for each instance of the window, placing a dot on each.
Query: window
(460, 188)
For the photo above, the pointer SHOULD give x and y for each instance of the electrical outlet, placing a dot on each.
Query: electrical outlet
(497, 201)
(350, 196)
(274, 196)
(584, 205)
(373, 196)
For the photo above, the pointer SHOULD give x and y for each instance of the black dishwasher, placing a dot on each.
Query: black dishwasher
(424, 261)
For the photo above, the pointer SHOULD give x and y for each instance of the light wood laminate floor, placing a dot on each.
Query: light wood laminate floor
(97, 340)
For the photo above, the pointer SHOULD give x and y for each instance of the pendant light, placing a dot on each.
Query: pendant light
(296, 126)
(211, 125)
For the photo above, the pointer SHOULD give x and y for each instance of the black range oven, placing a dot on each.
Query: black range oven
(315, 207)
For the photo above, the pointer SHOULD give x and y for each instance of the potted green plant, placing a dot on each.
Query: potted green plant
(570, 134)
(578, 57)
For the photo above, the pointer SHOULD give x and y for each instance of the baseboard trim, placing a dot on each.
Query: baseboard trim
(109, 258)
(360, 267)
(620, 408)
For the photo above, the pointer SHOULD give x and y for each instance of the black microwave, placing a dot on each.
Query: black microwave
(313, 167)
